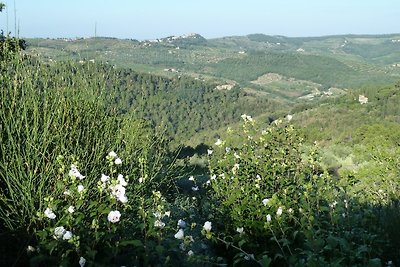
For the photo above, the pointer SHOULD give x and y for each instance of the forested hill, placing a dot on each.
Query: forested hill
(182, 106)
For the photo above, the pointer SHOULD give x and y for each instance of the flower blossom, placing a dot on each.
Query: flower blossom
(114, 216)
(71, 209)
(209, 152)
(59, 232)
(73, 172)
(67, 235)
(279, 211)
(159, 224)
(121, 180)
(180, 234)
(190, 253)
(50, 214)
(207, 226)
(269, 218)
(265, 201)
(118, 161)
(80, 188)
(219, 142)
(112, 154)
(181, 223)
(82, 261)
(240, 230)
(104, 178)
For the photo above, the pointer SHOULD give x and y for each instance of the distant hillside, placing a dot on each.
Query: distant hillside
(329, 62)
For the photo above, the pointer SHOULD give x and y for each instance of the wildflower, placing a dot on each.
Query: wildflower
(67, 235)
(117, 190)
(121, 180)
(190, 253)
(80, 188)
(114, 216)
(240, 230)
(235, 168)
(195, 188)
(71, 209)
(82, 261)
(269, 218)
(59, 232)
(141, 180)
(157, 214)
(180, 234)
(191, 178)
(181, 223)
(159, 224)
(219, 142)
(207, 226)
(246, 118)
(75, 173)
(236, 155)
(167, 213)
(123, 199)
(279, 211)
(213, 177)
(104, 178)
(265, 201)
(289, 117)
(227, 149)
(118, 161)
(332, 205)
(30, 249)
(209, 152)
(112, 154)
(290, 210)
(49, 214)
(67, 193)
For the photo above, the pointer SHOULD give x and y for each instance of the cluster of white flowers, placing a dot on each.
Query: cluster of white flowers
(118, 190)
(112, 156)
(82, 261)
(247, 118)
(61, 233)
(158, 222)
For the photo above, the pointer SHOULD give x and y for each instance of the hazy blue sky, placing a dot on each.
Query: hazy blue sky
(148, 19)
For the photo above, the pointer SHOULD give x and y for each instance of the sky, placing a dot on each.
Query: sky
(151, 19)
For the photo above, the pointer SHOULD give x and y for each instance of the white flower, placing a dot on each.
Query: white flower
(30, 249)
(141, 180)
(219, 142)
(80, 188)
(213, 177)
(195, 188)
(112, 154)
(167, 213)
(240, 230)
(49, 214)
(117, 190)
(290, 210)
(67, 235)
(227, 149)
(289, 117)
(121, 180)
(82, 261)
(118, 161)
(190, 253)
(209, 152)
(75, 173)
(59, 232)
(269, 218)
(159, 224)
(207, 226)
(67, 193)
(157, 214)
(265, 201)
(181, 223)
(236, 155)
(123, 199)
(279, 211)
(104, 178)
(191, 178)
(114, 216)
(71, 209)
(180, 234)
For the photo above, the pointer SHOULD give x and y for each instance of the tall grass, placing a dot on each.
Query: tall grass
(45, 112)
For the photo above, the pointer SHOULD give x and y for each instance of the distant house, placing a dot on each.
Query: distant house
(362, 99)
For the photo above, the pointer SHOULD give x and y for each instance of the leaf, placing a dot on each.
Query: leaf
(375, 263)
(265, 261)
(135, 243)
(241, 243)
